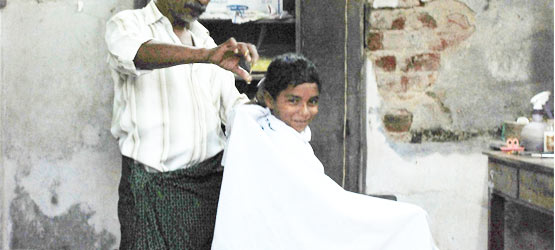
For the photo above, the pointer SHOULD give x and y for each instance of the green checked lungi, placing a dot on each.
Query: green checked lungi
(169, 210)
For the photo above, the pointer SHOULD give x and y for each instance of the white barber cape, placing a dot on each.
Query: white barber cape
(275, 195)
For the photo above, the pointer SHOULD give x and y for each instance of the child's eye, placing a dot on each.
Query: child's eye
(313, 101)
(293, 100)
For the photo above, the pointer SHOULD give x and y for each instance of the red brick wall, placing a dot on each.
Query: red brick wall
(406, 45)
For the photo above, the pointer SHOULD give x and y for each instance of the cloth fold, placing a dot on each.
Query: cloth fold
(169, 210)
(275, 195)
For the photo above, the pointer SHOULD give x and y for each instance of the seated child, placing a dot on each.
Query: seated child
(275, 194)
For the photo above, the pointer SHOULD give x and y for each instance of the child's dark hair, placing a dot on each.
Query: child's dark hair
(289, 70)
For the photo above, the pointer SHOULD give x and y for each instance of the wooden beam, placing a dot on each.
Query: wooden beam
(331, 36)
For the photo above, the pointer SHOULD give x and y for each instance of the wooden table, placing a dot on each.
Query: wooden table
(524, 180)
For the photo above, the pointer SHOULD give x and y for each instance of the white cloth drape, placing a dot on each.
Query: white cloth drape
(275, 195)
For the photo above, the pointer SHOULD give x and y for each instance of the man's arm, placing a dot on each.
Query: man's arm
(154, 55)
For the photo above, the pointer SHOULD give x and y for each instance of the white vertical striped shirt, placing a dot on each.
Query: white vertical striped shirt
(166, 118)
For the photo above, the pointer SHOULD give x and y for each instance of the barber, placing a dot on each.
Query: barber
(174, 87)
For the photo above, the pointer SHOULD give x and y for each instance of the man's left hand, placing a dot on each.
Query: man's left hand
(228, 54)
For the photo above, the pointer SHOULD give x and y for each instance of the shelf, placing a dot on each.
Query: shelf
(288, 19)
(271, 37)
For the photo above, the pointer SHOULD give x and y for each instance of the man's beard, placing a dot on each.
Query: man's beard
(186, 18)
(179, 21)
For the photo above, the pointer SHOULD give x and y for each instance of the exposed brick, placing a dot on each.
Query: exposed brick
(405, 137)
(404, 83)
(380, 19)
(456, 30)
(400, 84)
(398, 23)
(422, 62)
(386, 63)
(386, 82)
(407, 96)
(399, 120)
(389, 88)
(439, 44)
(383, 79)
(446, 39)
(406, 40)
(412, 22)
(414, 33)
(374, 40)
(459, 20)
(396, 40)
(391, 19)
(419, 82)
(427, 20)
(387, 19)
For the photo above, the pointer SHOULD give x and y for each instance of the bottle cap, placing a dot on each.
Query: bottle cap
(540, 99)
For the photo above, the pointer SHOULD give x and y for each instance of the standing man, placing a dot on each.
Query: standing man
(173, 89)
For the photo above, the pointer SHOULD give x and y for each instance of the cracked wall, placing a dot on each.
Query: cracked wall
(462, 67)
(60, 167)
(446, 74)
(60, 164)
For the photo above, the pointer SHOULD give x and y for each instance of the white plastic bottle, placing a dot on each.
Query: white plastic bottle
(548, 136)
(532, 134)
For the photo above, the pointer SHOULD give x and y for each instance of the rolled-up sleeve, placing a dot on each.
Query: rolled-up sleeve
(124, 35)
(230, 97)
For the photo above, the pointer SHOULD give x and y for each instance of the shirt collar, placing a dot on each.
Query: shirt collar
(152, 13)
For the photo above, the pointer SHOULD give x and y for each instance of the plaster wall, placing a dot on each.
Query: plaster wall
(60, 164)
(487, 79)
(2, 179)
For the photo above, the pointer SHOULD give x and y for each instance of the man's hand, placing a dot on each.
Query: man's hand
(154, 55)
(228, 54)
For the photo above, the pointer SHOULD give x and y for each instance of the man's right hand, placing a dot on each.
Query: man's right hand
(228, 54)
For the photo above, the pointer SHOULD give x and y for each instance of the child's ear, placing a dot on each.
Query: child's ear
(268, 100)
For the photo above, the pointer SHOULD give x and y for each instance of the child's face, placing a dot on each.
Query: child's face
(296, 106)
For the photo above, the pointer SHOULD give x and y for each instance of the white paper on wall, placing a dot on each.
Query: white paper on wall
(241, 11)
